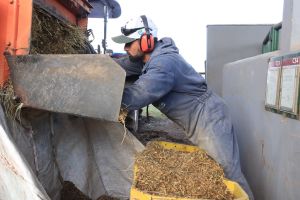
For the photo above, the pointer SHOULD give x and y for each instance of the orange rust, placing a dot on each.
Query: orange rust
(62, 10)
(83, 23)
(71, 10)
(15, 22)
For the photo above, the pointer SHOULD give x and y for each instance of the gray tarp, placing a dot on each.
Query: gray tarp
(17, 181)
(88, 152)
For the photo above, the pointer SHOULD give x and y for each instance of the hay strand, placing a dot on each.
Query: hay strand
(10, 104)
(122, 119)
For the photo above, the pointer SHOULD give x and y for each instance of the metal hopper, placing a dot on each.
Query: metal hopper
(88, 85)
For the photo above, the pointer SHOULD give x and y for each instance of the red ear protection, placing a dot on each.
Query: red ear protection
(147, 39)
(147, 43)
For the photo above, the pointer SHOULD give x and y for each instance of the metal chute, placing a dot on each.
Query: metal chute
(89, 85)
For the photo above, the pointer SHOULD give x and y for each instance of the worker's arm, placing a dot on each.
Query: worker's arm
(131, 68)
(156, 81)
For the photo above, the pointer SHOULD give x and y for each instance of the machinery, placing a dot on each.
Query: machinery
(61, 124)
(70, 74)
(63, 127)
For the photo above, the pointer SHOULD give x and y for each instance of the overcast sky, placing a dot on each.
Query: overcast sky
(186, 22)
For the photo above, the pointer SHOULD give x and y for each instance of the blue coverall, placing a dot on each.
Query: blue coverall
(173, 86)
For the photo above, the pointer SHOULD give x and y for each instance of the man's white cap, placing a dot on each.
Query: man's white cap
(134, 29)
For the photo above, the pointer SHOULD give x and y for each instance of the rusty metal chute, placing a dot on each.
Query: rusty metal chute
(89, 85)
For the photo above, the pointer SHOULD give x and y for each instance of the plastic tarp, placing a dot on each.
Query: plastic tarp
(17, 179)
(97, 156)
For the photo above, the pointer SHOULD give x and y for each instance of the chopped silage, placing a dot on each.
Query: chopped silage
(50, 35)
(171, 173)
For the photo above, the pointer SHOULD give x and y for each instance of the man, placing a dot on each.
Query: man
(173, 86)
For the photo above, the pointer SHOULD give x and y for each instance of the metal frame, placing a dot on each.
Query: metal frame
(276, 63)
(15, 23)
(286, 62)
